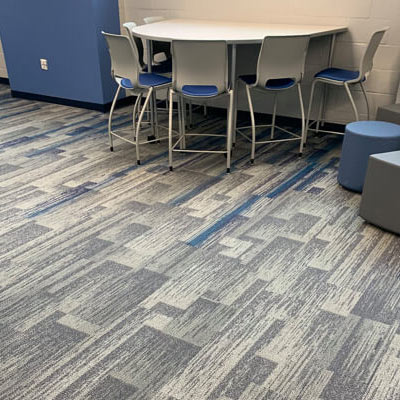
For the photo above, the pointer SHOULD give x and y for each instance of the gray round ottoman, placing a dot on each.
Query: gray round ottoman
(362, 139)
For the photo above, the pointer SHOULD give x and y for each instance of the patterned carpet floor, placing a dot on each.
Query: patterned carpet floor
(127, 282)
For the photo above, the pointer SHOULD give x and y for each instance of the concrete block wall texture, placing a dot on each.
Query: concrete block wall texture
(361, 16)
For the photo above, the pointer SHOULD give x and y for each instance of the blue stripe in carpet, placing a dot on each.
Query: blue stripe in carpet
(316, 175)
(75, 138)
(69, 196)
(20, 113)
(292, 181)
(226, 219)
(283, 187)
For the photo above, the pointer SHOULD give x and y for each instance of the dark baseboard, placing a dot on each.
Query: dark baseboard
(4, 81)
(266, 118)
(71, 103)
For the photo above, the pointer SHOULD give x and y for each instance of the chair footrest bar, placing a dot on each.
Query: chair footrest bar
(205, 134)
(140, 143)
(123, 138)
(199, 151)
(326, 131)
(278, 140)
(288, 132)
(257, 126)
(296, 137)
(154, 140)
(244, 135)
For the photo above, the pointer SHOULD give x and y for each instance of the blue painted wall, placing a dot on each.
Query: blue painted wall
(68, 34)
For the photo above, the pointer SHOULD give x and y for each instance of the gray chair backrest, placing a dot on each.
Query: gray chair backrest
(282, 57)
(136, 41)
(124, 58)
(200, 63)
(368, 57)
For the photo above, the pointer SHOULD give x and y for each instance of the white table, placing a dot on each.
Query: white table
(233, 33)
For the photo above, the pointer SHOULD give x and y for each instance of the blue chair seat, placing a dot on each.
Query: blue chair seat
(126, 84)
(200, 90)
(285, 83)
(147, 80)
(337, 74)
(273, 84)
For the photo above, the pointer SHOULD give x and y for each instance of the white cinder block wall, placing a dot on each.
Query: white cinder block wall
(3, 69)
(361, 16)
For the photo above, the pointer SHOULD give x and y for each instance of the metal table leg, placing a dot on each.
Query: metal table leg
(233, 87)
(152, 103)
(321, 113)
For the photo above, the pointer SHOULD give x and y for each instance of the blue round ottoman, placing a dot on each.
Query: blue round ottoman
(362, 139)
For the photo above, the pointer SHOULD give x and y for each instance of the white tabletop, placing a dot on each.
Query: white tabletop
(231, 32)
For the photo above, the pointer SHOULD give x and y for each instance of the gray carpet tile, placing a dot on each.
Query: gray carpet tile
(131, 282)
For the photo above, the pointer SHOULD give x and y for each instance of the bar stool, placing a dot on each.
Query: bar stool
(158, 68)
(125, 69)
(346, 78)
(280, 67)
(164, 47)
(200, 71)
(165, 66)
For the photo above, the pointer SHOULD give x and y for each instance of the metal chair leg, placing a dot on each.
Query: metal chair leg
(321, 109)
(139, 124)
(110, 118)
(236, 94)
(274, 115)
(353, 104)
(253, 125)
(135, 112)
(140, 107)
(180, 120)
(190, 114)
(303, 122)
(152, 123)
(185, 110)
(183, 117)
(366, 99)
(167, 100)
(155, 114)
(170, 130)
(229, 133)
(309, 110)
